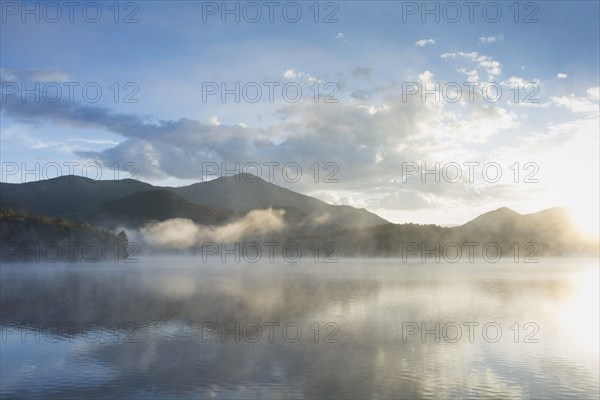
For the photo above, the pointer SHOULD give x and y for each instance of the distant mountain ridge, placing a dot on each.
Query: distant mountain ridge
(545, 233)
(215, 201)
(69, 196)
(308, 221)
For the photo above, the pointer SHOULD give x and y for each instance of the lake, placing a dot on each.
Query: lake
(177, 327)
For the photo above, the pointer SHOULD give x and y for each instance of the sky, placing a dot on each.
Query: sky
(426, 112)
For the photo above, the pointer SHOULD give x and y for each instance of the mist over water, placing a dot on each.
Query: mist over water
(354, 329)
(182, 233)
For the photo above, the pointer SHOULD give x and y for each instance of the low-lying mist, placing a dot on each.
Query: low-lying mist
(183, 233)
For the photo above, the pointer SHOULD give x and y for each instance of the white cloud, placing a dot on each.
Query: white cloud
(530, 104)
(522, 83)
(472, 75)
(528, 91)
(424, 42)
(478, 125)
(427, 77)
(491, 39)
(515, 80)
(491, 66)
(213, 120)
(576, 104)
(594, 93)
(561, 75)
(293, 74)
(472, 55)
(290, 74)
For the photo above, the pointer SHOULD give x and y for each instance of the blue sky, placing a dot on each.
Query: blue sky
(368, 56)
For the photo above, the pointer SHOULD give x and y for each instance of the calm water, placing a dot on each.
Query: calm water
(347, 330)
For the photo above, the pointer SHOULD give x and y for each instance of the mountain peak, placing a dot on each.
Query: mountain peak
(244, 192)
(504, 211)
(499, 216)
(243, 177)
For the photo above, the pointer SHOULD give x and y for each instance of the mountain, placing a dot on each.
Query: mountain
(355, 232)
(308, 221)
(155, 205)
(210, 202)
(245, 192)
(553, 225)
(69, 196)
(498, 220)
(546, 233)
